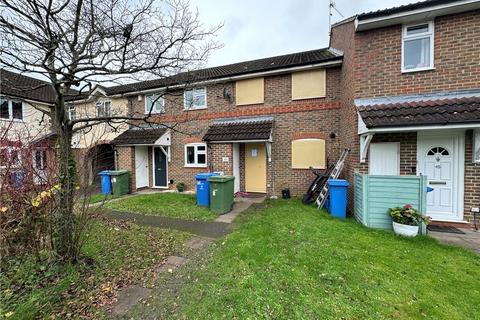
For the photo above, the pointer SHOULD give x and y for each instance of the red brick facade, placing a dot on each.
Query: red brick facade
(372, 68)
(292, 119)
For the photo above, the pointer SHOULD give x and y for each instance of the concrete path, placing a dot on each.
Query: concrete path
(470, 240)
(209, 229)
(204, 231)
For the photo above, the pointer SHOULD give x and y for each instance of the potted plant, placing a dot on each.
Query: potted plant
(181, 187)
(406, 220)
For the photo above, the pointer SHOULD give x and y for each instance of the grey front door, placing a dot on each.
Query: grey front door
(160, 168)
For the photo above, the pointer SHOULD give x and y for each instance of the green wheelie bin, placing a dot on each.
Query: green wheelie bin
(221, 193)
(120, 182)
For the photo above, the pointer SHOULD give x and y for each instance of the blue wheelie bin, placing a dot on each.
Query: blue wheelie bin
(105, 181)
(203, 188)
(338, 197)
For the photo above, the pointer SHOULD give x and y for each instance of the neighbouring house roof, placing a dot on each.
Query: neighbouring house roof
(404, 8)
(432, 109)
(260, 65)
(240, 130)
(17, 85)
(140, 135)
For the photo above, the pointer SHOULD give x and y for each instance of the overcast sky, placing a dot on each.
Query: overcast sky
(262, 28)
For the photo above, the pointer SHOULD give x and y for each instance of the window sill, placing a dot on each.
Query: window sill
(194, 109)
(13, 120)
(195, 166)
(418, 70)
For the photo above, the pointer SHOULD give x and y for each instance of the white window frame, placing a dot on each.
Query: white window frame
(195, 92)
(196, 153)
(43, 160)
(10, 110)
(71, 111)
(102, 104)
(430, 34)
(160, 100)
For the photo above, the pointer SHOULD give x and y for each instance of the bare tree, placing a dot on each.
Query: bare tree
(80, 43)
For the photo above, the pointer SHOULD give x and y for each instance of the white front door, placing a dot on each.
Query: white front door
(141, 167)
(440, 157)
(384, 158)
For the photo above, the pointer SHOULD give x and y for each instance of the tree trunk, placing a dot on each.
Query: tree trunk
(65, 246)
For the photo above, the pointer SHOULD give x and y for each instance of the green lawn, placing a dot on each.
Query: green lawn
(114, 255)
(172, 205)
(290, 261)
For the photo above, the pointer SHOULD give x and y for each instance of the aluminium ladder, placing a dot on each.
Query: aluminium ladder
(322, 197)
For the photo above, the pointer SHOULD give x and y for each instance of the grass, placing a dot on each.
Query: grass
(173, 205)
(290, 261)
(114, 255)
(100, 197)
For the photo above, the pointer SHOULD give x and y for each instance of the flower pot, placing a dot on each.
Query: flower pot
(405, 230)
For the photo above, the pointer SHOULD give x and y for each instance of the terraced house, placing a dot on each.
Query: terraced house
(411, 98)
(264, 121)
(400, 87)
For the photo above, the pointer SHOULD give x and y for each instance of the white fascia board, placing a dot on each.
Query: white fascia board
(418, 14)
(333, 63)
(424, 128)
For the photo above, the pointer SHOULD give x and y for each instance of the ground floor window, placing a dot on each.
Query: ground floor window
(196, 155)
(41, 159)
(308, 153)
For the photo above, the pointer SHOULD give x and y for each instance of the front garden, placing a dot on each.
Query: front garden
(165, 204)
(114, 255)
(290, 261)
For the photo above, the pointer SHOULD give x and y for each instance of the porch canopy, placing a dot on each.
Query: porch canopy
(144, 135)
(242, 130)
(434, 111)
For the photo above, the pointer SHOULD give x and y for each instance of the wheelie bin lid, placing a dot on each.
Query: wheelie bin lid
(205, 175)
(338, 183)
(221, 178)
(118, 172)
(105, 173)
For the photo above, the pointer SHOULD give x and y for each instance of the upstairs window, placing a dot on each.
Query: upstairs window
(417, 47)
(154, 103)
(71, 111)
(309, 84)
(104, 108)
(249, 91)
(196, 155)
(195, 99)
(11, 109)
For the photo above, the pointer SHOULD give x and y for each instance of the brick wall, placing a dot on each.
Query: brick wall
(343, 38)
(457, 55)
(471, 179)
(126, 161)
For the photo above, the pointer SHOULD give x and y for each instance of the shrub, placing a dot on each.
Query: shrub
(407, 215)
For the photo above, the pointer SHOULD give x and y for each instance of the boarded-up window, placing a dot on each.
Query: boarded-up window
(249, 91)
(309, 84)
(308, 153)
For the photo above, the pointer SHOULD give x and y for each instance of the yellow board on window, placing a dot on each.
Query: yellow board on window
(308, 153)
(255, 167)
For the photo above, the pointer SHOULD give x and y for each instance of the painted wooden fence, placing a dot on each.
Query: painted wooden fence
(374, 195)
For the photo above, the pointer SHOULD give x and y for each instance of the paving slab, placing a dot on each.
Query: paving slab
(129, 297)
(470, 240)
(197, 242)
(172, 263)
(238, 207)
